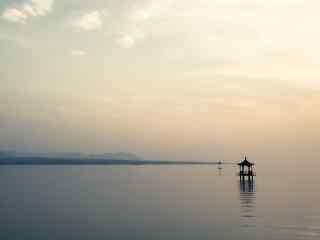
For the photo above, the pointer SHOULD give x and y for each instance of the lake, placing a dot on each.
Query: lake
(156, 202)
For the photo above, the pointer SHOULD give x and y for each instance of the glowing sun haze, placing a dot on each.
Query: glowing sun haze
(183, 79)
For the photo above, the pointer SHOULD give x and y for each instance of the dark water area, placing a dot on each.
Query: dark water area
(156, 202)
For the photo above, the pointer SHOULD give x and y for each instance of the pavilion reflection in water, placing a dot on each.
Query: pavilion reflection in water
(247, 192)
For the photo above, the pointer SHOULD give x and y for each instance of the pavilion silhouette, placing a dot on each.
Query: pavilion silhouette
(246, 170)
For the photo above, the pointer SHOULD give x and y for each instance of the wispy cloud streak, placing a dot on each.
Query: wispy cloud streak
(89, 21)
(33, 8)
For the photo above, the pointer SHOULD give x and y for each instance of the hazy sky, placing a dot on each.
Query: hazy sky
(183, 79)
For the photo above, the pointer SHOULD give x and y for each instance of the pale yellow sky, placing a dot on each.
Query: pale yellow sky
(165, 79)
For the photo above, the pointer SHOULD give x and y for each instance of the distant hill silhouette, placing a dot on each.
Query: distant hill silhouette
(69, 155)
(121, 158)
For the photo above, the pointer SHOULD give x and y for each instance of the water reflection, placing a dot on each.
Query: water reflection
(247, 203)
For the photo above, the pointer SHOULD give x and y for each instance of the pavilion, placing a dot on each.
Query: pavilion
(246, 169)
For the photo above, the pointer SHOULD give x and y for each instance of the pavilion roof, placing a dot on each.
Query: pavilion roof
(245, 162)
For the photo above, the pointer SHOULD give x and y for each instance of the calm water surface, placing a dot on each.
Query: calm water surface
(155, 202)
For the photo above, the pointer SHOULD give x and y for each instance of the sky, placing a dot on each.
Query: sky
(180, 80)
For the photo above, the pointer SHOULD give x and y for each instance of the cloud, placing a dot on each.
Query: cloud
(38, 7)
(141, 14)
(151, 9)
(129, 40)
(78, 52)
(14, 15)
(23, 12)
(88, 22)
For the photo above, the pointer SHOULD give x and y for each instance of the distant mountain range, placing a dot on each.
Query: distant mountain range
(121, 158)
(71, 156)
